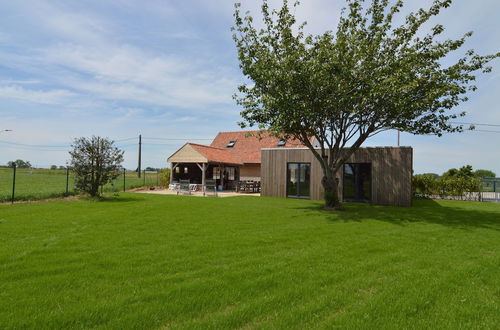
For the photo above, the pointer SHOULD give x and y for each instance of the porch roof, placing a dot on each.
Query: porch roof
(197, 153)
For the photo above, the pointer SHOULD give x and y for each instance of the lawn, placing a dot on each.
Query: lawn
(152, 261)
(34, 184)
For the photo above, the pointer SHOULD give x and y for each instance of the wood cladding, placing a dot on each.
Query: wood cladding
(392, 170)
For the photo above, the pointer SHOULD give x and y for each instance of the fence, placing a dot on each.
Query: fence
(35, 183)
(490, 192)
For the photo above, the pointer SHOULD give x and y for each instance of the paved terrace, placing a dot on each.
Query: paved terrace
(197, 193)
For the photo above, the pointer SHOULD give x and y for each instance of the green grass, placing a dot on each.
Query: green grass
(34, 184)
(151, 261)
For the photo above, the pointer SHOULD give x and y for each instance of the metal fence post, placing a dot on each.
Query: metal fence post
(67, 180)
(124, 180)
(144, 177)
(157, 178)
(13, 183)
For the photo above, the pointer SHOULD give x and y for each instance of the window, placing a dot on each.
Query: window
(231, 144)
(357, 185)
(186, 170)
(230, 173)
(298, 180)
(281, 143)
(177, 170)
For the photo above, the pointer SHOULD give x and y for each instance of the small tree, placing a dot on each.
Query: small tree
(344, 87)
(53, 167)
(95, 162)
(19, 163)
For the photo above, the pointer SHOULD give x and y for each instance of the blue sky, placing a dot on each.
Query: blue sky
(168, 69)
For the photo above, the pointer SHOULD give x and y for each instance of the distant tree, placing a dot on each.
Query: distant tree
(19, 163)
(62, 167)
(95, 162)
(53, 167)
(484, 174)
(343, 87)
(434, 175)
(151, 169)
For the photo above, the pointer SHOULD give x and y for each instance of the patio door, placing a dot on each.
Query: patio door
(357, 184)
(298, 180)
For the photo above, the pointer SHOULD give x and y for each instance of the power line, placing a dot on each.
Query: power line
(127, 139)
(486, 131)
(476, 124)
(34, 145)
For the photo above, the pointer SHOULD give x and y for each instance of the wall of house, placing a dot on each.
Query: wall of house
(250, 172)
(391, 167)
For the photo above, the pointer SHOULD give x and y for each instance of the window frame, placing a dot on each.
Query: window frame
(287, 178)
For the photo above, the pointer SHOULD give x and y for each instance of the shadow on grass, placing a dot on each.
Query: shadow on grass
(113, 199)
(461, 215)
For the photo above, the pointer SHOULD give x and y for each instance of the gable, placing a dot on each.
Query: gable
(187, 154)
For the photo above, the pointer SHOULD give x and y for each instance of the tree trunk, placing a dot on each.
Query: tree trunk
(331, 185)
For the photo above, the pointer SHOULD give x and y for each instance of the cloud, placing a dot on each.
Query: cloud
(15, 92)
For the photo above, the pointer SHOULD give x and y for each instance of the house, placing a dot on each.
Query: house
(380, 175)
(235, 155)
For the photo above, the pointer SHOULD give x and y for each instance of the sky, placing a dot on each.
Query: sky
(167, 69)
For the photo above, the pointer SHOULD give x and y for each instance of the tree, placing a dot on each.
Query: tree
(347, 86)
(464, 172)
(484, 174)
(95, 162)
(53, 167)
(19, 163)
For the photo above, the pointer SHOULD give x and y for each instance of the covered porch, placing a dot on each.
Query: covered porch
(225, 175)
(198, 163)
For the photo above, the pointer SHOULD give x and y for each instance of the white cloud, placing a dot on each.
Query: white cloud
(56, 96)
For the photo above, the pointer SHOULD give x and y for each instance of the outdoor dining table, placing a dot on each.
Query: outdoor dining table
(249, 186)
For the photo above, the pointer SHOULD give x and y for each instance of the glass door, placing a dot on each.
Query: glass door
(357, 184)
(298, 180)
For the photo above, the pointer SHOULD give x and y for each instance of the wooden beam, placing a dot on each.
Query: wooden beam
(203, 178)
(172, 168)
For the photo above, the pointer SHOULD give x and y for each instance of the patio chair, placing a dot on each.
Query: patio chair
(184, 187)
(210, 187)
(257, 187)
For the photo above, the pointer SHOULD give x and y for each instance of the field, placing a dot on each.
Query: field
(151, 261)
(34, 184)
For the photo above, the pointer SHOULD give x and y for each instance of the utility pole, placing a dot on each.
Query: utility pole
(139, 165)
(398, 137)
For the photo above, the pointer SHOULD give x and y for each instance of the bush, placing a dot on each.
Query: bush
(165, 177)
(427, 185)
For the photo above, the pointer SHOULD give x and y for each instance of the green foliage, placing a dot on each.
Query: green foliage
(95, 162)
(343, 87)
(448, 185)
(434, 175)
(53, 167)
(164, 177)
(464, 172)
(19, 163)
(484, 174)
(144, 261)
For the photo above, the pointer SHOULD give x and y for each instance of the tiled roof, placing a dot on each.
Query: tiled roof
(247, 148)
(216, 155)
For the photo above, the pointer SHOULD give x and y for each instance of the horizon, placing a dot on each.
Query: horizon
(70, 70)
